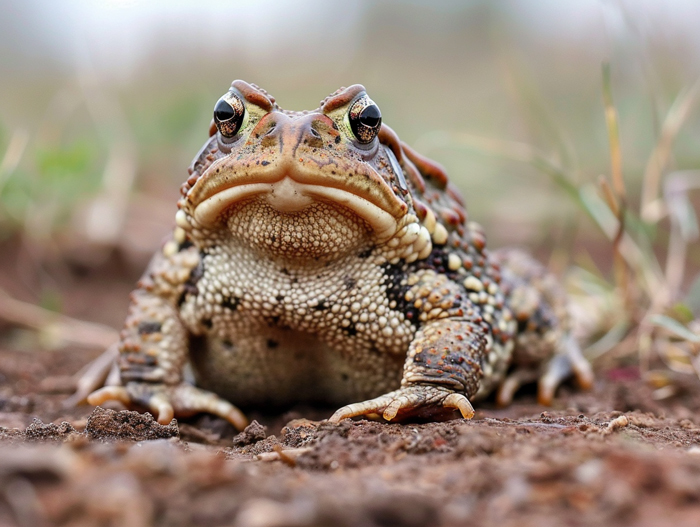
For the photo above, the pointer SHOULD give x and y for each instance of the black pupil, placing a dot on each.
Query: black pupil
(370, 116)
(223, 111)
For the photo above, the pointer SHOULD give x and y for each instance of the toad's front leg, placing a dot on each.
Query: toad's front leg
(445, 362)
(442, 371)
(154, 348)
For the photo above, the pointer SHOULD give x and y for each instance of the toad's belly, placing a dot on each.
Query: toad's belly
(285, 366)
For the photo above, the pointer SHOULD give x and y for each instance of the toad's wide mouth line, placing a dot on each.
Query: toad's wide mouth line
(288, 195)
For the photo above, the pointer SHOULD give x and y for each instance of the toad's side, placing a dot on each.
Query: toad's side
(318, 258)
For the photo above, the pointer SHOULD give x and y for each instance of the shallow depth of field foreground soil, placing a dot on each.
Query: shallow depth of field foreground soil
(613, 456)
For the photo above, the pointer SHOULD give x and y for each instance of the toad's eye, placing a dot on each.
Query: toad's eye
(228, 115)
(365, 119)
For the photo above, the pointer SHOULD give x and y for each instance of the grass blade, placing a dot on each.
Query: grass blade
(675, 327)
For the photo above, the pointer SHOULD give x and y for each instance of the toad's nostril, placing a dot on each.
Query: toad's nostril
(271, 129)
(312, 136)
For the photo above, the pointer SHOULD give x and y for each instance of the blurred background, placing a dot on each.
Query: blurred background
(103, 104)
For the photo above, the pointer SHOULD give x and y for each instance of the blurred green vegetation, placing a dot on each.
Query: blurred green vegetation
(513, 71)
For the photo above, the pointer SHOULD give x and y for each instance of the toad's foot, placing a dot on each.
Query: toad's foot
(166, 402)
(406, 401)
(103, 371)
(557, 370)
(561, 367)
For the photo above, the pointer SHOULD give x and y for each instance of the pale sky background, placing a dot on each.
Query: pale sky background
(122, 35)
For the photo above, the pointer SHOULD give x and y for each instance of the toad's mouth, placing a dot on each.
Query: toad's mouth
(287, 195)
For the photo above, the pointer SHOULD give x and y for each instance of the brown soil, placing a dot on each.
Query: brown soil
(613, 456)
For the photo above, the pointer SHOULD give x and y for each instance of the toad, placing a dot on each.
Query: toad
(318, 258)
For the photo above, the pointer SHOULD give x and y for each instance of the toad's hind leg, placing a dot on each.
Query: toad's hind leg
(567, 360)
(545, 350)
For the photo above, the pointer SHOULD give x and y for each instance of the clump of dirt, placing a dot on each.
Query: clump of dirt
(39, 431)
(553, 468)
(253, 433)
(109, 425)
(615, 455)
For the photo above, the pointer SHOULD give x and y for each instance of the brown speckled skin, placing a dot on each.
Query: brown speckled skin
(304, 267)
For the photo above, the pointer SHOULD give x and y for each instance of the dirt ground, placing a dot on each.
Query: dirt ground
(612, 456)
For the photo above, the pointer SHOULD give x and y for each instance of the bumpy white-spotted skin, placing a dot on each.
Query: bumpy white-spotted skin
(288, 338)
(282, 330)
(308, 267)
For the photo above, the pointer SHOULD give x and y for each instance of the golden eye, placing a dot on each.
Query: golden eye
(228, 115)
(365, 119)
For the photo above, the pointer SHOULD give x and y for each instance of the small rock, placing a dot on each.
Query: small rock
(619, 422)
(268, 513)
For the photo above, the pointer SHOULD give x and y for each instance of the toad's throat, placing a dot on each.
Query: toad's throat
(290, 196)
(307, 239)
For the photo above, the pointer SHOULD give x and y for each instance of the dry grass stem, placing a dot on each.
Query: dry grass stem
(13, 155)
(619, 199)
(611, 120)
(676, 117)
(61, 328)
(608, 195)
(684, 226)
